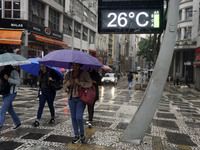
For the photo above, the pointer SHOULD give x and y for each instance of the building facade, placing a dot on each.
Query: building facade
(186, 42)
(34, 28)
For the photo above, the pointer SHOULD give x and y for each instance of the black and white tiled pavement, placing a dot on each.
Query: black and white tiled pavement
(175, 126)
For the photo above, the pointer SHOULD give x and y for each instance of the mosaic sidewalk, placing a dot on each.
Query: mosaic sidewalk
(176, 123)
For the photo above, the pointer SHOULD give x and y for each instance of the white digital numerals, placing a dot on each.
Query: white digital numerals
(121, 20)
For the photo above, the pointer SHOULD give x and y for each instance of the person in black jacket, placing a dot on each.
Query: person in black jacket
(11, 76)
(96, 79)
(130, 79)
(46, 93)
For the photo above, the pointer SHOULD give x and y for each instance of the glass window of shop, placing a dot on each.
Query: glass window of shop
(92, 37)
(53, 19)
(36, 12)
(67, 26)
(85, 33)
(77, 30)
(12, 9)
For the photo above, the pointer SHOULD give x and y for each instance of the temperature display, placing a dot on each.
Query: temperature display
(130, 21)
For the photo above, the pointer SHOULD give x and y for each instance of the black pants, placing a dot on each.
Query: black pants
(91, 111)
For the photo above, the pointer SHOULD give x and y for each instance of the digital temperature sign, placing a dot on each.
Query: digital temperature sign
(130, 19)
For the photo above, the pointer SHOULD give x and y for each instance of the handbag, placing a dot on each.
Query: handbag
(56, 85)
(87, 95)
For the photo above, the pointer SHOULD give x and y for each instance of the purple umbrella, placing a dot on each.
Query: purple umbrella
(64, 58)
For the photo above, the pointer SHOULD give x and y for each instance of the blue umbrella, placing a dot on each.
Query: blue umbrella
(34, 67)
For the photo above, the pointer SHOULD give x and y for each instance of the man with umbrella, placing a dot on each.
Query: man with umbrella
(130, 79)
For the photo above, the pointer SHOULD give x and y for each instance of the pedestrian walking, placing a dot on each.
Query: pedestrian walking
(130, 79)
(11, 76)
(96, 80)
(46, 93)
(73, 80)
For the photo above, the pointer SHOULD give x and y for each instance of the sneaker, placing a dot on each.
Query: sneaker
(17, 126)
(36, 123)
(82, 138)
(89, 124)
(76, 140)
(52, 121)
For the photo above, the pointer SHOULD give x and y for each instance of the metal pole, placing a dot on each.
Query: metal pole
(143, 116)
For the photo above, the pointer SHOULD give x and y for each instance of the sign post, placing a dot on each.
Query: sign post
(138, 126)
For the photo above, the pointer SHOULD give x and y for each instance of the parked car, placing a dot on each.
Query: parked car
(109, 78)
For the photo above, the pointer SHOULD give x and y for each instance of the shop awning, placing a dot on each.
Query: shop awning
(49, 40)
(10, 37)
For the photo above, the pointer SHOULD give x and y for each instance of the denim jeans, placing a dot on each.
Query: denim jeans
(49, 96)
(77, 109)
(7, 106)
(129, 84)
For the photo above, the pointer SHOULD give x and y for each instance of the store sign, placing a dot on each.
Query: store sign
(130, 16)
(24, 24)
(14, 24)
(198, 58)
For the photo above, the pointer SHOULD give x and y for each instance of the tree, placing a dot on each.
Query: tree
(146, 50)
(149, 48)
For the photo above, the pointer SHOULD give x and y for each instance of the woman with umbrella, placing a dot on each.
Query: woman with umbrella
(73, 80)
(46, 93)
(10, 75)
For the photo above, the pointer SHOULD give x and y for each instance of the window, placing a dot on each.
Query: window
(77, 30)
(59, 2)
(92, 37)
(179, 34)
(53, 19)
(85, 33)
(67, 26)
(11, 9)
(188, 13)
(188, 32)
(36, 12)
(180, 15)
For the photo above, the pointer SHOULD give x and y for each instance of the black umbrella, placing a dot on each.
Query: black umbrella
(133, 71)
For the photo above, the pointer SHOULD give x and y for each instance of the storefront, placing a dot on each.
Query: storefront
(28, 39)
(33, 40)
(197, 68)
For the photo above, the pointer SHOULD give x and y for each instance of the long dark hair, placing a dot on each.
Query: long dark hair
(7, 70)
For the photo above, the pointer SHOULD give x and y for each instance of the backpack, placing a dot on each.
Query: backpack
(5, 87)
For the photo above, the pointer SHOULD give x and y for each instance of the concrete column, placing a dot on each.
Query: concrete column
(46, 11)
(181, 65)
(72, 35)
(61, 23)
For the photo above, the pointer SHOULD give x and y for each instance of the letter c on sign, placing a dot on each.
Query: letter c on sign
(137, 19)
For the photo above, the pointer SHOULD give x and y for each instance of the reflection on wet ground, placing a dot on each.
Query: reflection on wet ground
(176, 122)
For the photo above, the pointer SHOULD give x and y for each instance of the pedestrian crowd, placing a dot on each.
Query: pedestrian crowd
(72, 82)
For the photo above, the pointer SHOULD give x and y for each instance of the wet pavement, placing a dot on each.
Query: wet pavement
(175, 126)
